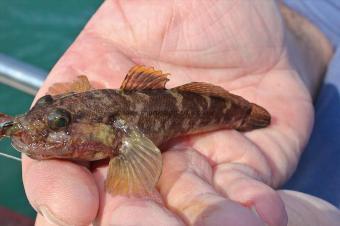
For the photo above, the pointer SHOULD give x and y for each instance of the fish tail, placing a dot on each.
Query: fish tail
(257, 118)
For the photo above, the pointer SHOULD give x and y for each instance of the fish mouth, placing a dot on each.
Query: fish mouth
(26, 149)
(37, 145)
(19, 145)
(17, 134)
(37, 150)
(6, 125)
(23, 140)
(13, 128)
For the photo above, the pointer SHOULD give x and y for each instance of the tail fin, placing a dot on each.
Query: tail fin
(257, 118)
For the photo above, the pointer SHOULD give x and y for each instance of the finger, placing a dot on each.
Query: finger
(185, 186)
(283, 141)
(304, 209)
(61, 191)
(241, 170)
(226, 146)
(117, 210)
(238, 182)
(42, 221)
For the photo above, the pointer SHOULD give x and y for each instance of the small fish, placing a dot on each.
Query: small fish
(76, 122)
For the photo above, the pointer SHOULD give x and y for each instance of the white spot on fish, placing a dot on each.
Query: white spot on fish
(186, 124)
(57, 137)
(227, 106)
(139, 106)
(157, 125)
(127, 97)
(167, 124)
(207, 100)
(143, 96)
(198, 123)
(179, 100)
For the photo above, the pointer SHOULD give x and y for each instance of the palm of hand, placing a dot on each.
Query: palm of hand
(237, 45)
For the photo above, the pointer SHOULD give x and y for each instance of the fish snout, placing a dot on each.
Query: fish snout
(6, 123)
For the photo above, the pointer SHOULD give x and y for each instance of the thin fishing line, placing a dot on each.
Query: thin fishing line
(10, 157)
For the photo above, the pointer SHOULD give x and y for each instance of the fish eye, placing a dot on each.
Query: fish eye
(47, 99)
(58, 119)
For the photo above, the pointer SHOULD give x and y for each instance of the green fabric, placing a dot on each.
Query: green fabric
(36, 32)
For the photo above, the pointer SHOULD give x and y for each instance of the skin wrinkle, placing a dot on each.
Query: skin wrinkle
(181, 210)
(195, 204)
(166, 30)
(251, 197)
(176, 49)
(126, 20)
(272, 179)
(219, 159)
(207, 30)
(254, 174)
(215, 20)
(263, 23)
(259, 176)
(195, 165)
(153, 206)
(240, 171)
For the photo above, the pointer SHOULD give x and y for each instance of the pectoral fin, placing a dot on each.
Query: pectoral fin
(136, 170)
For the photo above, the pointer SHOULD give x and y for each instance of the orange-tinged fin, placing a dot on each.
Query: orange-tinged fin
(136, 170)
(81, 84)
(206, 89)
(258, 118)
(143, 78)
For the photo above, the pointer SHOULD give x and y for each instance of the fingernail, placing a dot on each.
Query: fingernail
(253, 208)
(50, 217)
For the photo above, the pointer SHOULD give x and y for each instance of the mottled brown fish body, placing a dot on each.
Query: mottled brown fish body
(126, 125)
(171, 113)
(164, 114)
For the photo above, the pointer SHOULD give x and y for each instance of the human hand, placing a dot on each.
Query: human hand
(219, 178)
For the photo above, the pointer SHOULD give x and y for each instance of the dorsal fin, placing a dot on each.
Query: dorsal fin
(206, 89)
(142, 78)
(79, 85)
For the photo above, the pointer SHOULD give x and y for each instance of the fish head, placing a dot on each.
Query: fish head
(52, 129)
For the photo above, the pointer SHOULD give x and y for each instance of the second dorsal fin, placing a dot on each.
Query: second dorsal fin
(206, 89)
(143, 78)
